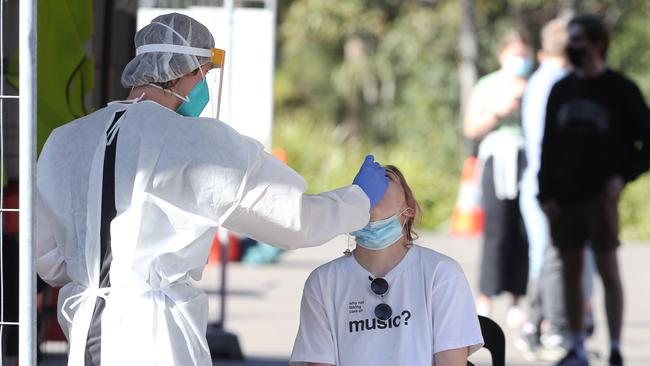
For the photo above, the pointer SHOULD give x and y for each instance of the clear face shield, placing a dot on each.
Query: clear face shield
(214, 80)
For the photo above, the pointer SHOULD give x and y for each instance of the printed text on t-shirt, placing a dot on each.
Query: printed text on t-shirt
(374, 323)
(356, 306)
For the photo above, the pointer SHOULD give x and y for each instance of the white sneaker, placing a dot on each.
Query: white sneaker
(515, 317)
(555, 340)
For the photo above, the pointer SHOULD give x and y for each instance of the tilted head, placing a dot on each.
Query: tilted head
(398, 200)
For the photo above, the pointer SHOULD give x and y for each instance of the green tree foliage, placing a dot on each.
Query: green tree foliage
(380, 76)
(65, 68)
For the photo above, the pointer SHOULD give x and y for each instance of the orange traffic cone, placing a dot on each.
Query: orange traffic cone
(234, 249)
(467, 217)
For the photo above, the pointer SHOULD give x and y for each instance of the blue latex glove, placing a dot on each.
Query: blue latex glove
(372, 179)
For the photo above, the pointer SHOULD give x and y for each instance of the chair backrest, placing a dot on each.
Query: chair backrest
(494, 340)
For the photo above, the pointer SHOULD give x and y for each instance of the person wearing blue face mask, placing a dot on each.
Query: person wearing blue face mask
(390, 301)
(493, 123)
(130, 197)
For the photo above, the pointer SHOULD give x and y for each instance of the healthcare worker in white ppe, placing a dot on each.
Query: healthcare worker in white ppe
(130, 196)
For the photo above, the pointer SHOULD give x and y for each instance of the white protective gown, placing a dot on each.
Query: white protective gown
(177, 179)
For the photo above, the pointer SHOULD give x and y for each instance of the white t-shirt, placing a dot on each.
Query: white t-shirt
(433, 311)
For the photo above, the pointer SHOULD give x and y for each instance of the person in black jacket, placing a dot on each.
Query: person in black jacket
(596, 139)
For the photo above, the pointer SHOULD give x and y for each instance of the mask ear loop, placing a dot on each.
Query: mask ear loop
(408, 244)
(140, 97)
(184, 99)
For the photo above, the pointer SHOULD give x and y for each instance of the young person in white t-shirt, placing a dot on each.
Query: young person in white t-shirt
(389, 302)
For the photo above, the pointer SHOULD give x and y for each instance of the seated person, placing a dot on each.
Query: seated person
(390, 302)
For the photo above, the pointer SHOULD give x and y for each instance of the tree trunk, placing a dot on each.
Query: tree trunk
(354, 51)
(467, 69)
(468, 46)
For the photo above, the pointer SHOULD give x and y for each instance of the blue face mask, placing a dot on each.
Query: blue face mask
(196, 101)
(518, 66)
(380, 234)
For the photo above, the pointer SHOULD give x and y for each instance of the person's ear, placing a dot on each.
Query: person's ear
(409, 212)
(207, 67)
(173, 83)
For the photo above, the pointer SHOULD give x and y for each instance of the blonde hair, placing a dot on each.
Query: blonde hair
(411, 203)
(555, 37)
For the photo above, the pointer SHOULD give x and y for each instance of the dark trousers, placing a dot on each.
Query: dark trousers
(504, 262)
(546, 295)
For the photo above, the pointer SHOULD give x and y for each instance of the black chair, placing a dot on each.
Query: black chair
(494, 340)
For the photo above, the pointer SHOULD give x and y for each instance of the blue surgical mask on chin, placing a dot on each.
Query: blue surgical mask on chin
(379, 234)
(196, 101)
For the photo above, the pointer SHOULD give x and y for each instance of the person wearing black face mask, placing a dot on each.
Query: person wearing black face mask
(596, 139)
(577, 55)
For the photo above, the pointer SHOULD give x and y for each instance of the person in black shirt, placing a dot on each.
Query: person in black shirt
(596, 139)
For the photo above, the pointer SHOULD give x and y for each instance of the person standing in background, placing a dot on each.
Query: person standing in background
(544, 334)
(493, 120)
(596, 139)
(545, 295)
